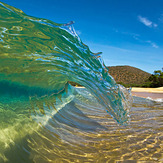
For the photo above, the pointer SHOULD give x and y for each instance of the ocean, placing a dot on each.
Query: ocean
(44, 119)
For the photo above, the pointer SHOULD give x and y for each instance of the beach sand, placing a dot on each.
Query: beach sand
(153, 93)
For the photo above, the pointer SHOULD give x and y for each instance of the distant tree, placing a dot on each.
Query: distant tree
(156, 79)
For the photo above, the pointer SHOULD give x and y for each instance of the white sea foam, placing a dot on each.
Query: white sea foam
(156, 100)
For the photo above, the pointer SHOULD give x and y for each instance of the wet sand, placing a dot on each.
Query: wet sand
(153, 93)
(147, 94)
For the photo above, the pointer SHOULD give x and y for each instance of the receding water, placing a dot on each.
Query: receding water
(44, 119)
(80, 132)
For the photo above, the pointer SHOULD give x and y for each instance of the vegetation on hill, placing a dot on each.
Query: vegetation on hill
(129, 76)
(133, 77)
(155, 80)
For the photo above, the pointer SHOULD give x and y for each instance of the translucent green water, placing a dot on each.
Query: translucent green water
(44, 119)
(38, 57)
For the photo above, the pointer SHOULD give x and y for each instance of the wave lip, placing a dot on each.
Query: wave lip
(40, 54)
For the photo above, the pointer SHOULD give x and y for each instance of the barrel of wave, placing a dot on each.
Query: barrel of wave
(40, 54)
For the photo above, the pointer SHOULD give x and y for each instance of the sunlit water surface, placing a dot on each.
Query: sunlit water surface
(43, 119)
(82, 132)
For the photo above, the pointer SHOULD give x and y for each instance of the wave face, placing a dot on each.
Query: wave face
(41, 55)
(37, 59)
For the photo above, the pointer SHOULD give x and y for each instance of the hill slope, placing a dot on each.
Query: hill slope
(129, 76)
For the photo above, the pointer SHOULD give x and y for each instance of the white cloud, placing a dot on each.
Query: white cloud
(133, 35)
(154, 45)
(138, 38)
(147, 22)
(155, 25)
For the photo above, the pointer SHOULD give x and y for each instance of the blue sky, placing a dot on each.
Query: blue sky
(128, 32)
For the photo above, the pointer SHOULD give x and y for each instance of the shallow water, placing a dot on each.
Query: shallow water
(149, 95)
(44, 119)
(82, 132)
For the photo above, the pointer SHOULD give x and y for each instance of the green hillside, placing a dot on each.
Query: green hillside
(129, 76)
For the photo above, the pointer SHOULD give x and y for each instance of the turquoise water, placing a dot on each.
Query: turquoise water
(45, 119)
(38, 57)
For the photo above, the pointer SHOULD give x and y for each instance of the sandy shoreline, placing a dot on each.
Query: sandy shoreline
(149, 90)
(154, 93)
